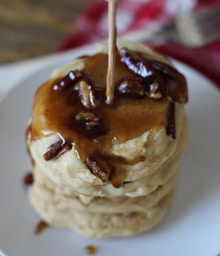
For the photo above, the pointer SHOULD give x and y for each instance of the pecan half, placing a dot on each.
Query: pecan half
(57, 149)
(69, 80)
(163, 68)
(176, 82)
(99, 167)
(171, 123)
(135, 62)
(130, 88)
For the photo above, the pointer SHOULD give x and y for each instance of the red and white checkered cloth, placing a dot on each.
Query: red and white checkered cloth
(134, 15)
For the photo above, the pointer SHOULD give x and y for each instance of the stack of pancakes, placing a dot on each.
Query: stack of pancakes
(108, 171)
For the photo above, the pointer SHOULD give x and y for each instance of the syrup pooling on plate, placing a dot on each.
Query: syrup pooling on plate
(75, 106)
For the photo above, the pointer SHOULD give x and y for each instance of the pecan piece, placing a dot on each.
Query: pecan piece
(91, 123)
(99, 167)
(90, 119)
(176, 82)
(135, 62)
(156, 89)
(130, 88)
(171, 124)
(177, 89)
(143, 66)
(29, 179)
(70, 79)
(41, 227)
(57, 149)
(87, 95)
(164, 68)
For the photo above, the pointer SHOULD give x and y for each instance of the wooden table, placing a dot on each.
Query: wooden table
(30, 28)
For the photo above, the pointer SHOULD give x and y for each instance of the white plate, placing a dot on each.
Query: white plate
(192, 225)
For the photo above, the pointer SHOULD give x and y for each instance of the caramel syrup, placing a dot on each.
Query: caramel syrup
(55, 112)
(57, 105)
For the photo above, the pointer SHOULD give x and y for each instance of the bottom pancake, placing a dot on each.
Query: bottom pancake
(101, 217)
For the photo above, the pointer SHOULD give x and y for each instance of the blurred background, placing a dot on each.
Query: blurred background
(33, 28)
(30, 28)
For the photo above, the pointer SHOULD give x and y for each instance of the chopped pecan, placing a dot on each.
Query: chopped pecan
(87, 95)
(171, 124)
(69, 80)
(29, 179)
(176, 82)
(92, 123)
(164, 68)
(90, 118)
(99, 167)
(130, 88)
(156, 89)
(135, 62)
(66, 147)
(57, 149)
(140, 64)
(41, 226)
